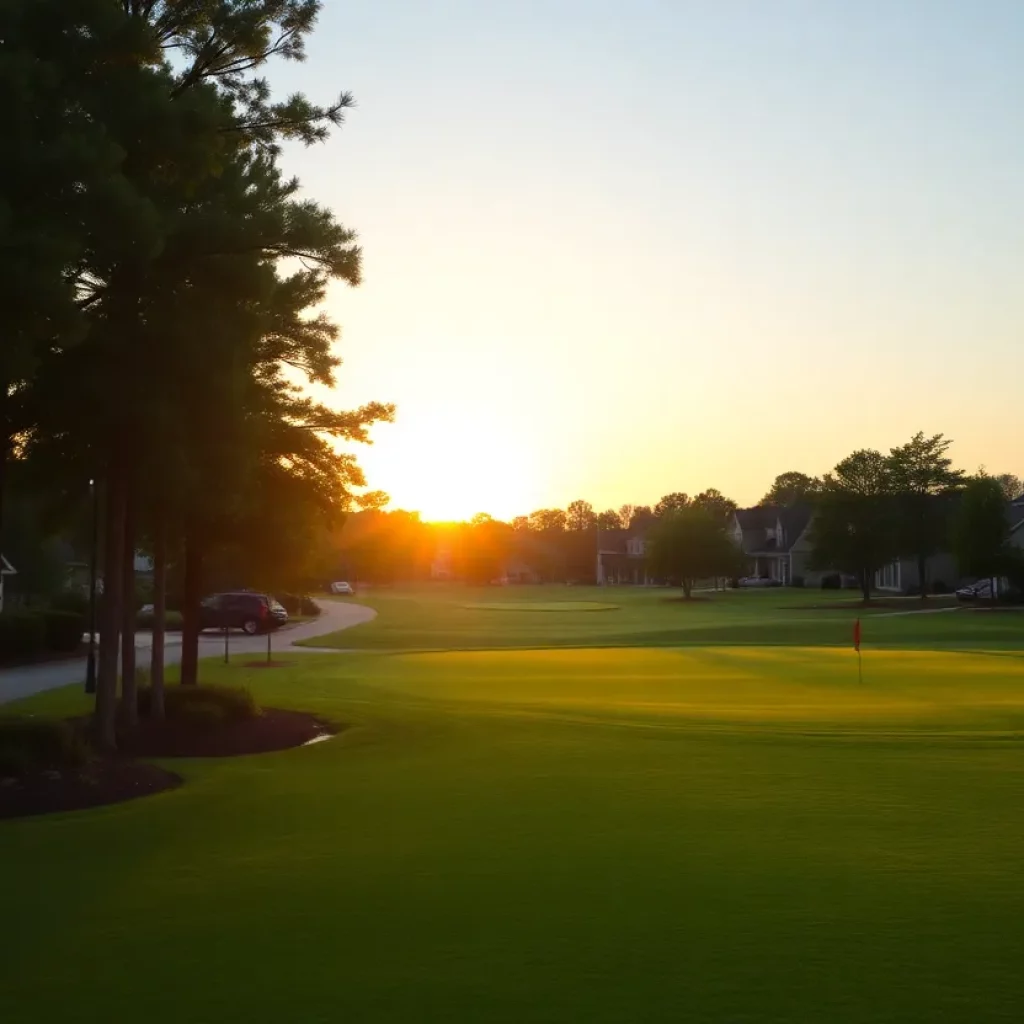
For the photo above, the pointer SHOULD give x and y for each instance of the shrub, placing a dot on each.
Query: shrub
(22, 635)
(203, 714)
(172, 621)
(291, 603)
(235, 703)
(71, 601)
(941, 587)
(34, 744)
(63, 630)
(831, 581)
(309, 607)
(796, 581)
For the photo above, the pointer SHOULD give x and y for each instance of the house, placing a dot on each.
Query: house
(777, 542)
(6, 569)
(903, 575)
(622, 556)
(1015, 513)
(942, 571)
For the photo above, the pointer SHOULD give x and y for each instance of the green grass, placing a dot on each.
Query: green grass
(699, 833)
(444, 618)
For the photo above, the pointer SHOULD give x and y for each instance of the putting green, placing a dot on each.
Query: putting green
(784, 689)
(542, 606)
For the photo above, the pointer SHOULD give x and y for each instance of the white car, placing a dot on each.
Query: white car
(759, 581)
(342, 588)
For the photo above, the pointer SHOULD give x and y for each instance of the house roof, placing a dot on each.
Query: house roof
(1015, 514)
(756, 522)
(761, 517)
(612, 543)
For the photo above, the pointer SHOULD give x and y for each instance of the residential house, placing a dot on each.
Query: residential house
(6, 569)
(777, 542)
(622, 557)
(903, 575)
(1015, 513)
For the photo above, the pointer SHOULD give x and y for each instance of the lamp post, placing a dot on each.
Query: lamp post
(90, 665)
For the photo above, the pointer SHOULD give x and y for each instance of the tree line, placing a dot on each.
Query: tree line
(871, 509)
(160, 277)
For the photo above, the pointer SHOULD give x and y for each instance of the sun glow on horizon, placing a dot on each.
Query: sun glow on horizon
(449, 469)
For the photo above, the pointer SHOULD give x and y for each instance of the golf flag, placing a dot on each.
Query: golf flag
(856, 635)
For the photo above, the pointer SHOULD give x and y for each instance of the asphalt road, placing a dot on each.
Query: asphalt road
(22, 682)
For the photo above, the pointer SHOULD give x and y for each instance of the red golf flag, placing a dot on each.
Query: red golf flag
(856, 636)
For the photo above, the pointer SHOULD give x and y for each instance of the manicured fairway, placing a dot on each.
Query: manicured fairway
(706, 833)
(443, 618)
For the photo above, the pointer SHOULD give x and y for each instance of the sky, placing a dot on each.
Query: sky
(612, 251)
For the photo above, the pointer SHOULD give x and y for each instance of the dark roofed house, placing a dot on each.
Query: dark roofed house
(1015, 513)
(776, 541)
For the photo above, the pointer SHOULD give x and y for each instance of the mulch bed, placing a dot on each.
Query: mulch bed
(102, 781)
(272, 729)
(267, 664)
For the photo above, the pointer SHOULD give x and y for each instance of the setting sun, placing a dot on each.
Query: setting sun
(449, 470)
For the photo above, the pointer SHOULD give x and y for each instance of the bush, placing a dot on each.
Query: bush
(71, 601)
(234, 703)
(309, 607)
(35, 744)
(832, 581)
(203, 714)
(172, 621)
(22, 635)
(796, 581)
(941, 587)
(63, 630)
(291, 603)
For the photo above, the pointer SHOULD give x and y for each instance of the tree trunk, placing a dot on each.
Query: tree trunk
(129, 684)
(193, 594)
(865, 585)
(922, 575)
(156, 665)
(687, 588)
(110, 608)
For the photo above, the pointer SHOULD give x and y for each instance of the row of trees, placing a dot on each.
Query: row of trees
(551, 544)
(912, 503)
(159, 276)
(872, 508)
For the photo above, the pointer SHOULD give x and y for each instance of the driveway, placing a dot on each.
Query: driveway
(335, 615)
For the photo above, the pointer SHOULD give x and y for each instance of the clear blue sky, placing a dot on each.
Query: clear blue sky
(614, 250)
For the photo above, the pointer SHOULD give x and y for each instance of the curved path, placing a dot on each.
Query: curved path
(335, 615)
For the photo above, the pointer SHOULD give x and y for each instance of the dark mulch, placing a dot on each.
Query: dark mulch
(102, 781)
(267, 664)
(272, 729)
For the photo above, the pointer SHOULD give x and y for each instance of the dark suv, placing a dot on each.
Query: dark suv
(242, 609)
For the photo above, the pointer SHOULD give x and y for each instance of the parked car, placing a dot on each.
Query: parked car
(342, 588)
(253, 613)
(759, 581)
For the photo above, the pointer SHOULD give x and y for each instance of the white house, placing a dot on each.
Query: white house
(6, 569)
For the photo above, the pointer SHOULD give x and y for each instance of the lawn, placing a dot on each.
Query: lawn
(563, 831)
(454, 618)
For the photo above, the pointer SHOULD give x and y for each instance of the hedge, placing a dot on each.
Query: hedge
(63, 630)
(22, 635)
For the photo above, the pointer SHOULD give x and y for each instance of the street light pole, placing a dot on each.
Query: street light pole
(90, 665)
